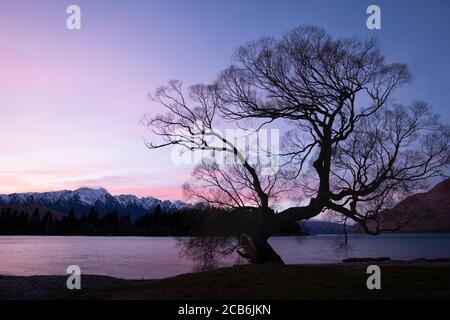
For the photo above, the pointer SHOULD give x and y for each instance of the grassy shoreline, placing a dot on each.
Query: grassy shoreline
(400, 280)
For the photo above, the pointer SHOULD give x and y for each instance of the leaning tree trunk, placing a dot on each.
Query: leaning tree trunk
(255, 246)
(257, 250)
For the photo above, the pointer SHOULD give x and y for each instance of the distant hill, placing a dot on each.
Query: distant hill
(83, 199)
(314, 227)
(30, 208)
(428, 211)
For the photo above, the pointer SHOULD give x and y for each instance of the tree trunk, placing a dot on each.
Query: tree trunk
(265, 252)
(255, 245)
(257, 250)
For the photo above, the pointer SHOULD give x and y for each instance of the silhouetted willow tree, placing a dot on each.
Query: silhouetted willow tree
(350, 149)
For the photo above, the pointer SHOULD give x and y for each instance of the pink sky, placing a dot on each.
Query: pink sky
(70, 106)
(71, 101)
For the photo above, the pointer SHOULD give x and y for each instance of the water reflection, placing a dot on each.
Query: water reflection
(209, 252)
(153, 257)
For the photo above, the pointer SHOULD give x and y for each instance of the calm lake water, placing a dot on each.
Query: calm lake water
(151, 258)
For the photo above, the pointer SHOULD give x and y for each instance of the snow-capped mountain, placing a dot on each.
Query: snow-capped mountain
(83, 199)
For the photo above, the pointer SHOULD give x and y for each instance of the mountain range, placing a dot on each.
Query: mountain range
(430, 210)
(83, 199)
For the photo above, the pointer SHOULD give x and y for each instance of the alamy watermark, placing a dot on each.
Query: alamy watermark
(73, 21)
(74, 280)
(373, 22)
(374, 280)
(260, 148)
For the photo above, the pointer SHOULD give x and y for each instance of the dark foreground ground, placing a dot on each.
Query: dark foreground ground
(418, 280)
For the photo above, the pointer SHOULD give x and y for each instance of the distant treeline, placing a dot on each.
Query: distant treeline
(190, 222)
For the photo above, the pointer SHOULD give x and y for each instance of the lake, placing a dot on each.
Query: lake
(157, 257)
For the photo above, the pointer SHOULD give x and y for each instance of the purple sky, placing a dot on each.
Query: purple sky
(71, 101)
